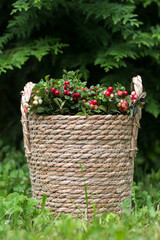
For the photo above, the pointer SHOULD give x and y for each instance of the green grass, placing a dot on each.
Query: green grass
(20, 217)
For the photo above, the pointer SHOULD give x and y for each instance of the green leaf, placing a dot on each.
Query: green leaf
(153, 108)
(128, 98)
(67, 97)
(56, 100)
(44, 201)
(47, 77)
(73, 107)
(80, 113)
(103, 108)
(85, 186)
(41, 109)
(63, 103)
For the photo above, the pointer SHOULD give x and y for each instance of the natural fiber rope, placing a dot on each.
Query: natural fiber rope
(100, 142)
(136, 86)
(104, 144)
(24, 116)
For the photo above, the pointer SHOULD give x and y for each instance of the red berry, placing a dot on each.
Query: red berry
(133, 100)
(77, 95)
(125, 102)
(131, 96)
(66, 82)
(83, 89)
(110, 89)
(126, 108)
(118, 105)
(104, 92)
(75, 99)
(73, 95)
(65, 92)
(56, 92)
(53, 89)
(123, 105)
(95, 107)
(135, 96)
(90, 102)
(25, 110)
(119, 93)
(35, 102)
(107, 93)
(64, 86)
(125, 93)
(94, 102)
(68, 93)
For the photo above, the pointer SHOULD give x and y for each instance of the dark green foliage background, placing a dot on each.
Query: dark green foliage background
(108, 41)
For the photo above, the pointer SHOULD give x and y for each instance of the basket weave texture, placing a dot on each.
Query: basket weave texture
(104, 144)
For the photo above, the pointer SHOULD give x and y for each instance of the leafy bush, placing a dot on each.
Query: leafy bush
(14, 175)
(146, 192)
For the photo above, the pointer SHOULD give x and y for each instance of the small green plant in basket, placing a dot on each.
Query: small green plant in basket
(71, 96)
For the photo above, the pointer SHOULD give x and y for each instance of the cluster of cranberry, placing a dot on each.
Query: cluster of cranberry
(122, 105)
(109, 92)
(133, 96)
(66, 92)
(56, 92)
(76, 97)
(93, 104)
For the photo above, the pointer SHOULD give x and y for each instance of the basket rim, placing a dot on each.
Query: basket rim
(83, 116)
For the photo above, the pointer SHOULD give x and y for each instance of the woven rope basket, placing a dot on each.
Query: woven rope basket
(104, 144)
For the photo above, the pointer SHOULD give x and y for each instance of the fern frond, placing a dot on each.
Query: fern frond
(17, 56)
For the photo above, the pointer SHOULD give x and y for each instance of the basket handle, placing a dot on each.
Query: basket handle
(136, 85)
(26, 93)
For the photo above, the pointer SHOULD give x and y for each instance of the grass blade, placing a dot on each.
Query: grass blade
(85, 187)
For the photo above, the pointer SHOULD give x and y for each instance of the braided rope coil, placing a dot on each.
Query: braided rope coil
(104, 144)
